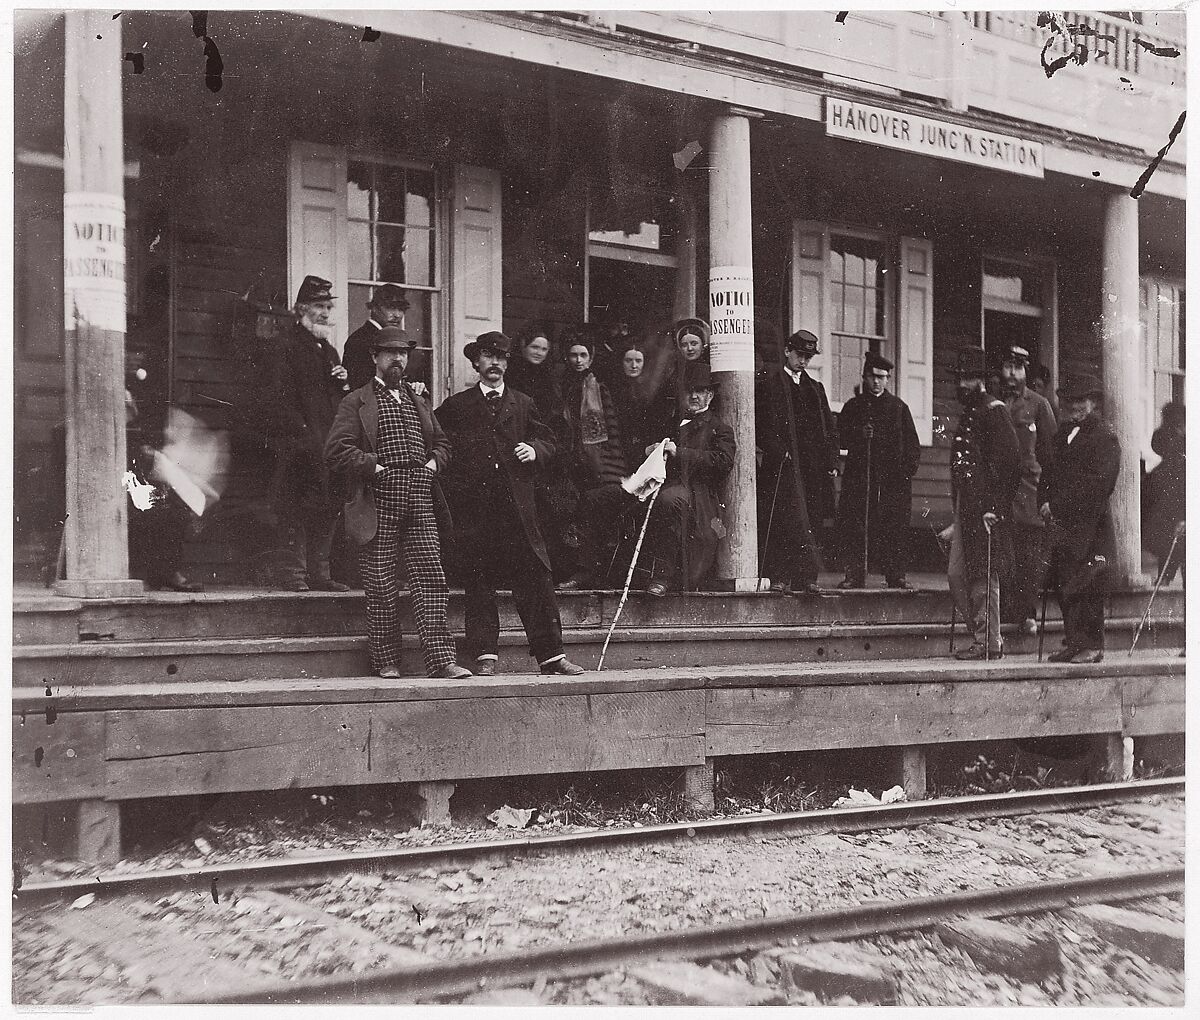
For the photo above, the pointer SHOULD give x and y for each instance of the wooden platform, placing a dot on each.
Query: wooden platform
(101, 744)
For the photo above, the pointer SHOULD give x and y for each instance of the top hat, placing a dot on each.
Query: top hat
(392, 338)
(1079, 387)
(493, 341)
(1014, 353)
(698, 376)
(694, 326)
(876, 361)
(388, 296)
(803, 342)
(972, 363)
(314, 288)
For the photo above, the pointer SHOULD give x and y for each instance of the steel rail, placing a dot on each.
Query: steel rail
(289, 872)
(442, 978)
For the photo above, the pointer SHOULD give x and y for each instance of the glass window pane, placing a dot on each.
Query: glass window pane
(356, 305)
(1012, 282)
(873, 313)
(838, 298)
(854, 268)
(871, 268)
(390, 193)
(418, 207)
(359, 244)
(405, 256)
(359, 191)
(837, 265)
(417, 323)
(854, 309)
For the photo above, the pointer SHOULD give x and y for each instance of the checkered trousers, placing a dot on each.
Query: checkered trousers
(406, 529)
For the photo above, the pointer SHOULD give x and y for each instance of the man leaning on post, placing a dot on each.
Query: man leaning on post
(389, 448)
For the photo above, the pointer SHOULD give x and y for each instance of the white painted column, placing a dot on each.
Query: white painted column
(97, 557)
(731, 310)
(1120, 332)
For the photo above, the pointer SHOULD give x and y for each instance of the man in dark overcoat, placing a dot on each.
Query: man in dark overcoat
(1074, 495)
(686, 520)
(985, 469)
(797, 434)
(307, 382)
(1036, 426)
(388, 447)
(499, 444)
(387, 307)
(881, 442)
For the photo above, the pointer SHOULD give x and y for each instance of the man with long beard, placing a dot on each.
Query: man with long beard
(307, 382)
(388, 446)
(985, 469)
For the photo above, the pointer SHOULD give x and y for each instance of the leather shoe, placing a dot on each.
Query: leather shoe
(452, 672)
(485, 667)
(852, 583)
(1063, 655)
(294, 586)
(562, 667)
(568, 585)
(1088, 655)
(899, 583)
(177, 582)
(327, 584)
(977, 653)
(781, 586)
(655, 588)
(806, 588)
(389, 673)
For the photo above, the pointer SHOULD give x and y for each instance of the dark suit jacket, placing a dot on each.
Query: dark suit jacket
(797, 422)
(481, 442)
(350, 453)
(1079, 483)
(304, 396)
(356, 355)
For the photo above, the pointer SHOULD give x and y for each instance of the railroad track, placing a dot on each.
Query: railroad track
(372, 963)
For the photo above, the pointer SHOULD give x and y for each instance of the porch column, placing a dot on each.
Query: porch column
(1120, 333)
(97, 558)
(731, 312)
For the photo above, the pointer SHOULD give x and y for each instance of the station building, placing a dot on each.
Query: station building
(910, 183)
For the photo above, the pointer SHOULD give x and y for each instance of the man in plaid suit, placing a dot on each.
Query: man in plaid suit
(388, 446)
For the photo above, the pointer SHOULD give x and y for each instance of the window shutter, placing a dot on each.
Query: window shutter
(476, 295)
(915, 361)
(810, 290)
(317, 236)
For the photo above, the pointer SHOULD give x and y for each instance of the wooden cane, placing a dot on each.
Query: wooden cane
(867, 516)
(762, 563)
(987, 602)
(1042, 628)
(953, 621)
(1161, 574)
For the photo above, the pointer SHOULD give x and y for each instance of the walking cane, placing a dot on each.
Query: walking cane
(628, 579)
(867, 515)
(1161, 574)
(770, 520)
(987, 602)
(953, 621)
(1042, 628)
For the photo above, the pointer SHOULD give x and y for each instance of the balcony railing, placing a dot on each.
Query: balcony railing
(1124, 45)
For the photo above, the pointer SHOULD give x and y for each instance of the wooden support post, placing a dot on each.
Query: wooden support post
(97, 557)
(685, 248)
(98, 831)
(435, 802)
(912, 772)
(1121, 354)
(1109, 757)
(698, 785)
(731, 311)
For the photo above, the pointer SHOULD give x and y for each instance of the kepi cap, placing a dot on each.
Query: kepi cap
(802, 342)
(1014, 353)
(314, 288)
(875, 361)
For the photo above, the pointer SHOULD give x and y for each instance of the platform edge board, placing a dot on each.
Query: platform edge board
(313, 690)
(70, 765)
(242, 749)
(813, 718)
(1153, 705)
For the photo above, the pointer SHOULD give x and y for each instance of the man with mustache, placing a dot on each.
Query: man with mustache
(499, 444)
(388, 446)
(985, 470)
(307, 383)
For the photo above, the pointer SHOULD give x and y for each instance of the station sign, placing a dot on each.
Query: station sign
(894, 129)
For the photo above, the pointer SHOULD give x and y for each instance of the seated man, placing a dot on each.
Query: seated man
(685, 522)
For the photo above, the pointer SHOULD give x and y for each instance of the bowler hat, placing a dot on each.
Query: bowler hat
(972, 363)
(388, 296)
(1079, 387)
(493, 341)
(314, 288)
(694, 326)
(698, 376)
(875, 362)
(1014, 353)
(802, 342)
(392, 338)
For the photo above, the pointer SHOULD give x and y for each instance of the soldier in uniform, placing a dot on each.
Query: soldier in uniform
(1074, 496)
(797, 434)
(985, 469)
(1036, 426)
(881, 442)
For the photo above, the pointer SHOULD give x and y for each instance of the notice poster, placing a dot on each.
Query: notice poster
(731, 313)
(94, 261)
